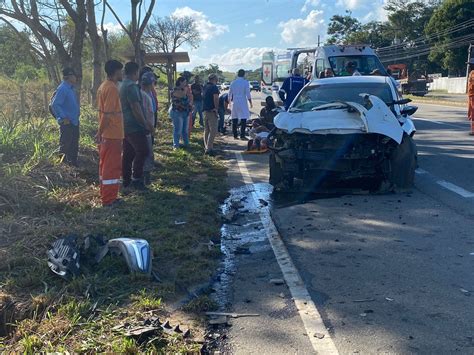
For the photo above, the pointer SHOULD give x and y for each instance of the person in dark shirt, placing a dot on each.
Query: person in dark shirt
(268, 113)
(135, 146)
(196, 89)
(210, 106)
(223, 109)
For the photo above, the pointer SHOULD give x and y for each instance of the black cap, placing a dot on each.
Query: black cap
(186, 74)
(68, 72)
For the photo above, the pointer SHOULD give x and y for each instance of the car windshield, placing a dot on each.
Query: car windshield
(316, 95)
(364, 64)
(254, 82)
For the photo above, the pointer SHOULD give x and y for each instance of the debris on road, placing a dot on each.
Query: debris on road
(234, 315)
(277, 281)
(263, 202)
(364, 300)
(389, 299)
(319, 335)
(466, 292)
(218, 320)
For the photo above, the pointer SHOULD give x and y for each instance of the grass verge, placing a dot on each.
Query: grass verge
(41, 199)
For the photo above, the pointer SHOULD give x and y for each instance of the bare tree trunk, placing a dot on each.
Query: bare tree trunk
(97, 50)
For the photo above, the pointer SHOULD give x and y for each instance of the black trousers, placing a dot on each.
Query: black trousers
(69, 143)
(135, 151)
(243, 124)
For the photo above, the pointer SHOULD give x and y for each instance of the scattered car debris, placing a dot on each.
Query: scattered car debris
(389, 299)
(465, 292)
(263, 202)
(219, 320)
(137, 253)
(319, 335)
(233, 315)
(151, 326)
(179, 223)
(277, 281)
(64, 257)
(364, 300)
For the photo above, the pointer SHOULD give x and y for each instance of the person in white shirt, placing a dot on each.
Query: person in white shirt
(239, 96)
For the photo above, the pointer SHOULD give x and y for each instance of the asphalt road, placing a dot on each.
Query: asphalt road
(387, 273)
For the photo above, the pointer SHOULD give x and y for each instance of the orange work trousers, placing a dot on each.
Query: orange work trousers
(470, 110)
(110, 169)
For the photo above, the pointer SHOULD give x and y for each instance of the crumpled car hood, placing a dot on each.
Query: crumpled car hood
(354, 119)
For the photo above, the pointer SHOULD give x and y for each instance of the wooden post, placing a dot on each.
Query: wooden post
(45, 98)
(22, 101)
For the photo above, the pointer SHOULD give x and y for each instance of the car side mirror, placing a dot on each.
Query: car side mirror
(401, 102)
(408, 110)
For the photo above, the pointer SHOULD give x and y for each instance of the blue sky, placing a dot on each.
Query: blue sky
(236, 33)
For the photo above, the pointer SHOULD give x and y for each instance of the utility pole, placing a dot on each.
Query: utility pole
(319, 37)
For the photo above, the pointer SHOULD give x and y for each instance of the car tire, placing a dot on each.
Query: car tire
(403, 164)
(276, 171)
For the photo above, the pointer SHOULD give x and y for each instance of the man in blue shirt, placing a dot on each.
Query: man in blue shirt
(65, 107)
(291, 87)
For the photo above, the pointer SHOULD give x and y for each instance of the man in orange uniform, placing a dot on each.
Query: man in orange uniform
(110, 134)
(470, 94)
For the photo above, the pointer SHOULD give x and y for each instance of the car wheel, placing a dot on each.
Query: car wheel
(276, 172)
(403, 164)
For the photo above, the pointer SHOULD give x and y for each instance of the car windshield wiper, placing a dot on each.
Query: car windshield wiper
(330, 106)
(295, 109)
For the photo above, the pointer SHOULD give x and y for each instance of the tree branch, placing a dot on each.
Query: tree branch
(118, 19)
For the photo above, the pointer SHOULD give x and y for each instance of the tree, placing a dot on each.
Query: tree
(341, 27)
(169, 33)
(46, 20)
(15, 44)
(137, 26)
(203, 72)
(407, 19)
(449, 47)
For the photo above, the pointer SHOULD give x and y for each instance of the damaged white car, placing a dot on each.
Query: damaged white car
(343, 133)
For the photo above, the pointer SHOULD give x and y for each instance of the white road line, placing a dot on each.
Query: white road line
(307, 310)
(449, 186)
(440, 122)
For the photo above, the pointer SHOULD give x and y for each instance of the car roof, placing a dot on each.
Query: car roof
(361, 79)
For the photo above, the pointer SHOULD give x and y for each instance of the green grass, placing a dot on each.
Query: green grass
(41, 199)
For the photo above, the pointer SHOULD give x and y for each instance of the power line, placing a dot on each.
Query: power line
(459, 27)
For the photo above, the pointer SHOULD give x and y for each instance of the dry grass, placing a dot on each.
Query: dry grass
(41, 199)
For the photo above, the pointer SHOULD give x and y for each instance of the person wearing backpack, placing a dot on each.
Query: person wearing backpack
(66, 110)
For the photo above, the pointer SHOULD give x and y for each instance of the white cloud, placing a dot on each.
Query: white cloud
(349, 4)
(251, 35)
(303, 31)
(258, 21)
(308, 4)
(206, 28)
(113, 28)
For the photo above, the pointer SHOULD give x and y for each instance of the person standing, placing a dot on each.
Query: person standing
(147, 81)
(65, 106)
(179, 112)
(222, 110)
(210, 106)
(239, 95)
(291, 87)
(196, 90)
(470, 94)
(110, 134)
(136, 128)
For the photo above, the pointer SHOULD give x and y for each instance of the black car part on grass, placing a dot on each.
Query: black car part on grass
(65, 255)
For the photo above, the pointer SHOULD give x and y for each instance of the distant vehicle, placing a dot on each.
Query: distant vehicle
(345, 131)
(336, 57)
(312, 61)
(225, 85)
(409, 83)
(255, 85)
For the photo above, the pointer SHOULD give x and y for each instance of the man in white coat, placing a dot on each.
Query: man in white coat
(239, 96)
